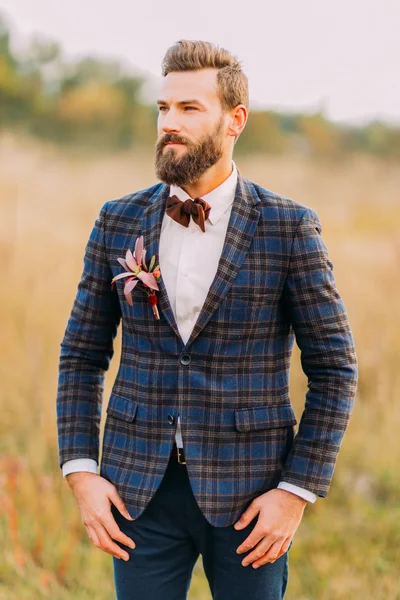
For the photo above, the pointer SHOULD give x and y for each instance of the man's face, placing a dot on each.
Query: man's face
(191, 127)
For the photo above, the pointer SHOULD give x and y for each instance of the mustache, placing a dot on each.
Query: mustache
(170, 137)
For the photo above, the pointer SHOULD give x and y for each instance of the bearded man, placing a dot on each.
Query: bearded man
(200, 453)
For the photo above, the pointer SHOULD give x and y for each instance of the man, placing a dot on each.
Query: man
(199, 452)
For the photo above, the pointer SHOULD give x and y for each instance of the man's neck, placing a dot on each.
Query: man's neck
(211, 179)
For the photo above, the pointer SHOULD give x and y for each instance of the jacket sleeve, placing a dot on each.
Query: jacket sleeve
(328, 358)
(86, 352)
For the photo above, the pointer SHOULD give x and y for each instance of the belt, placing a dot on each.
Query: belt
(178, 455)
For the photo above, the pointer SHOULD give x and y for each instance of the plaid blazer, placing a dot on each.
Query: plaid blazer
(230, 381)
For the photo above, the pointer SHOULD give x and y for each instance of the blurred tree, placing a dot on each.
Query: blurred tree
(321, 135)
(262, 134)
(375, 136)
(44, 52)
(97, 102)
(93, 103)
(5, 50)
(14, 103)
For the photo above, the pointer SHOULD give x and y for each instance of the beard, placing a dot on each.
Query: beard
(196, 160)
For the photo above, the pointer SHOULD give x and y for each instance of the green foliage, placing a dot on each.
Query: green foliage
(96, 103)
(262, 134)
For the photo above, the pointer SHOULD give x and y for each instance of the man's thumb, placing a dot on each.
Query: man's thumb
(119, 503)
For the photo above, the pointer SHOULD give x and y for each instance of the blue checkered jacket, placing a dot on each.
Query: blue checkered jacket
(230, 382)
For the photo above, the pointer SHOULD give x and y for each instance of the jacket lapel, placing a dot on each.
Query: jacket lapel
(151, 229)
(241, 228)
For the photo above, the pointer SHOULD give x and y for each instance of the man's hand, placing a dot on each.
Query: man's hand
(280, 515)
(94, 495)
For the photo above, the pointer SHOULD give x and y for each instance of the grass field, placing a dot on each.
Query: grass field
(348, 546)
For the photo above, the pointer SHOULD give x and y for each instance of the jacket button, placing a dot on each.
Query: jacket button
(171, 419)
(185, 359)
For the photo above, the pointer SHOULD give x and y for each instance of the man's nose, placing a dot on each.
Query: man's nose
(170, 123)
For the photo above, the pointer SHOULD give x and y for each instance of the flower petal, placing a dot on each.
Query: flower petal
(144, 259)
(130, 284)
(121, 275)
(122, 262)
(129, 298)
(130, 260)
(139, 250)
(148, 279)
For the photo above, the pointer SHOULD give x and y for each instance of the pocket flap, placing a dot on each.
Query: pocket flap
(264, 417)
(121, 408)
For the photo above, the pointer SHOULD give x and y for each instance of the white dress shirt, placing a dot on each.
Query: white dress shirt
(188, 276)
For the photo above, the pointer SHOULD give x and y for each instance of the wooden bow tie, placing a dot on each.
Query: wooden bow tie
(181, 211)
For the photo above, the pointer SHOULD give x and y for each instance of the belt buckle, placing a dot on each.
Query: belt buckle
(179, 453)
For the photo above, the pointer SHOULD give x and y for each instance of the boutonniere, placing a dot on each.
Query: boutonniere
(137, 272)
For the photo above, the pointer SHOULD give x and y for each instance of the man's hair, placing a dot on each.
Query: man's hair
(192, 55)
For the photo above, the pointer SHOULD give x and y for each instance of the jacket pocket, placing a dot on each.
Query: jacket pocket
(245, 297)
(264, 417)
(121, 408)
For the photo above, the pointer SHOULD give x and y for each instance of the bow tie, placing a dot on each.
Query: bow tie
(181, 211)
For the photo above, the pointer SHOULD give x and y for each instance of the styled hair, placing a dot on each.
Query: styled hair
(193, 55)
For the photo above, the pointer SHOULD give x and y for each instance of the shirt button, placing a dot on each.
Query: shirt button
(192, 230)
(185, 359)
(171, 419)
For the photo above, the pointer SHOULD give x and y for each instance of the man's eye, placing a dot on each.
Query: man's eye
(190, 108)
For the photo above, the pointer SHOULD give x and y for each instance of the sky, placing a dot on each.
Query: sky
(341, 57)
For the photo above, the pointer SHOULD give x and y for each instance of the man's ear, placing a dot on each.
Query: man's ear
(238, 120)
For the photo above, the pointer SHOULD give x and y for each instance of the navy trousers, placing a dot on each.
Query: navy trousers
(171, 533)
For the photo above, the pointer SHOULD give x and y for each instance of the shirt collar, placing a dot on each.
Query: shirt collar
(219, 198)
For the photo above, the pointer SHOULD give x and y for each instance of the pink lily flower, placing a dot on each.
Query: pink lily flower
(136, 271)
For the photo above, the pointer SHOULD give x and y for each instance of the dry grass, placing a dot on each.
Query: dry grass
(348, 545)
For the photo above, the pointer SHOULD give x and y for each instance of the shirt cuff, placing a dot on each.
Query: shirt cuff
(77, 465)
(299, 491)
